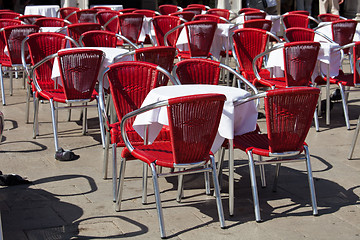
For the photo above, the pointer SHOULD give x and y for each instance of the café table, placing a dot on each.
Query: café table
(235, 119)
(44, 10)
(275, 19)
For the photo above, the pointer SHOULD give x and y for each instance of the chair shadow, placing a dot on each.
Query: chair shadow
(41, 214)
(38, 147)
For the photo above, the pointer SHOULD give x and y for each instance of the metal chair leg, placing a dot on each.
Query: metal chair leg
(180, 186)
(120, 184)
(345, 106)
(54, 121)
(311, 181)
(106, 155)
(207, 182)
(262, 175)
(114, 170)
(144, 185)
(217, 193)
(158, 200)
(2, 86)
(27, 108)
(277, 171)
(101, 123)
(231, 177)
(356, 134)
(36, 117)
(254, 187)
(84, 130)
(11, 83)
(316, 120)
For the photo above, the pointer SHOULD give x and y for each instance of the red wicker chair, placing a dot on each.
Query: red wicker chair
(288, 113)
(13, 36)
(163, 24)
(193, 123)
(79, 69)
(167, 9)
(130, 82)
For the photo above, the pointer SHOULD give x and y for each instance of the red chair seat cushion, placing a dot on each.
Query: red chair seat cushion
(58, 95)
(257, 142)
(160, 153)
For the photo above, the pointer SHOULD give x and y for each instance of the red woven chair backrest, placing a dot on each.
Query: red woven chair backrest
(303, 12)
(195, 5)
(166, 9)
(9, 15)
(299, 62)
(79, 69)
(195, 10)
(29, 19)
(296, 20)
(103, 17)
(4, 23)
(209, 17)
(244, 10)
(146, 12)
(289, 114)
(162, 56)
(248, 43)
(328, 17)
(163, 24)
(50, 22)
(130, 82)
(75, 30)
(200, 35)
(193, 123)
(13, 38)
(343, 32)
(42, 45)
(254, 15)
(86, 16)
(296, 34)
(264, 24)
(64, 12)
(130, 25)
(188, 16)
(99, 38)
(225, 13)
(101, 8)
(356, 56)
(127, 10)
(198, 71)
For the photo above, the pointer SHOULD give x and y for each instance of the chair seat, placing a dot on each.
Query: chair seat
(257, 142)
(133, 136)
(344, 79)
(58, 95)
(160, 152)
(250, 76)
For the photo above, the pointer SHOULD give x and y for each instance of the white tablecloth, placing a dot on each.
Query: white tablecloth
(113, 7)
(220, 41)
(110, 55)
(325, 28)
(328, 58)
(45, 10)
(234, 120)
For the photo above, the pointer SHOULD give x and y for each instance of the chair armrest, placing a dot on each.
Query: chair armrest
(135, 113)
(127, 40)
(281, 45)
(171, 31)
(110, 20)
(32, 70)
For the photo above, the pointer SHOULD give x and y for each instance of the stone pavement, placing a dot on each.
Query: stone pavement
(70, 200)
